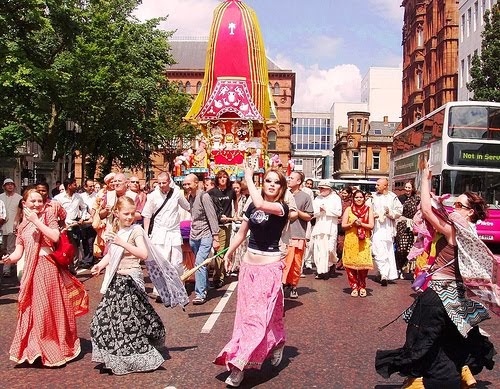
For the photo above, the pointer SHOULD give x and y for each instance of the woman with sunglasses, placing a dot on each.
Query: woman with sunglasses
(258, 331)
(357, 222)
(444, 346)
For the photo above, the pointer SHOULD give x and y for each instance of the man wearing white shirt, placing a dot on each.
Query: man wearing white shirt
(11, 201)
(327, 210)
(88, 233)
(166, 233)
(76, 211)
(3, 216)
(72, 202)
(386, 209)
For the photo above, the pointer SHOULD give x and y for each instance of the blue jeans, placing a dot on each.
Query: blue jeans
(201, 249)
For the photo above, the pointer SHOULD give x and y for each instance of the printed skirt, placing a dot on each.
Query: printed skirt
(434, 347)
(126, 331)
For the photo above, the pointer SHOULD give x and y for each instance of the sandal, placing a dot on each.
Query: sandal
(354, 293)
(362, 292)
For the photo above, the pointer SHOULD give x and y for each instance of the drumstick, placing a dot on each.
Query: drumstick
(190, 272)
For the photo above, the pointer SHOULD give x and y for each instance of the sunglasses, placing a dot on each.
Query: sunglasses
(268, 181)
(459, 205)
(134, 182)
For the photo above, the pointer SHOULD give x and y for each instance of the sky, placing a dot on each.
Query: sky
(329, 44)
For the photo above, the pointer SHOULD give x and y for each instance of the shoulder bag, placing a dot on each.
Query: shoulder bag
(152, 221)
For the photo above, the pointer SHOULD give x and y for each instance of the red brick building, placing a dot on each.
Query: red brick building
(430, 56)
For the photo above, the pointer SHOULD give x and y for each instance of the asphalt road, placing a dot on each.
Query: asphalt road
(331, 341)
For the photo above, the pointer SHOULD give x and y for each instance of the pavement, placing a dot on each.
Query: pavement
(331, 341)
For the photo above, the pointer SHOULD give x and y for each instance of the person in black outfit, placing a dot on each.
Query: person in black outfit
(224, 198)
(404, 236)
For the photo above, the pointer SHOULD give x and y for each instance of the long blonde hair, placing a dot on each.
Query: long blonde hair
(121, 202)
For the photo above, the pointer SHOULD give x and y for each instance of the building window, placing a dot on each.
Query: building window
(475, 15)
(351, 125)
(355, 160)
(462, 29)
(376, 160)
(271, 140)
(276, 89)
(419, 79)
(181, 87)
(358, 126)
(469, 21)
(420, 36)
(469, 64)
(188, 87)
(462, 72)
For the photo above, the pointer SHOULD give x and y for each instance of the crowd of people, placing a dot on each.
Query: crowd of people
(268, 237)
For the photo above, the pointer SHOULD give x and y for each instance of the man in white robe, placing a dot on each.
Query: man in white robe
(166, 232)
(327, 210)
(386, 209)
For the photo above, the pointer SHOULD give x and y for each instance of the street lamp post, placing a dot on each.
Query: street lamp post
(75, 129)
(366, 154)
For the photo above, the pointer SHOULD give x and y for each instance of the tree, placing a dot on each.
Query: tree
(32, 38)
(485, 69)
(95, 64)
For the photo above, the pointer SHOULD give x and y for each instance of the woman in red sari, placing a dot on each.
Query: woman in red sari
(46, 325)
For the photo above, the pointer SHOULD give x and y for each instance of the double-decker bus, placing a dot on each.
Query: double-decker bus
(462, 142)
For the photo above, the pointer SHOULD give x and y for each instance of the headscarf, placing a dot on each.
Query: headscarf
(479, 267)
(361, 212)
(163, 275)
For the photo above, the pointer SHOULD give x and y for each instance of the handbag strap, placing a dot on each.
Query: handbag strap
(441, 268)
(169, 194)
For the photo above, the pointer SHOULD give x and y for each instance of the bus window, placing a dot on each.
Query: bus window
(486, 184)
(474, 122)
(468, 122)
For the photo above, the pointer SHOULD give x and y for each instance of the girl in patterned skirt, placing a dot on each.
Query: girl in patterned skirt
(126, 331)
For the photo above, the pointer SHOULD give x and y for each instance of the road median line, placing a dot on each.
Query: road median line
(219, 308)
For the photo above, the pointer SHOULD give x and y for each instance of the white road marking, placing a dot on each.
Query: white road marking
(219, 308)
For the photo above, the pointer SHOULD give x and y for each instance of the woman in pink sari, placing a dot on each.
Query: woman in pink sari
(259, 330)
(46, 325)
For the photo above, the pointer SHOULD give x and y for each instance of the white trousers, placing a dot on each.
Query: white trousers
(383, 256)
(324, 252)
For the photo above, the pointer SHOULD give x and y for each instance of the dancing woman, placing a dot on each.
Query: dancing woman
(126, 332)
(46, 325)
(258, 331)
(443, 342)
